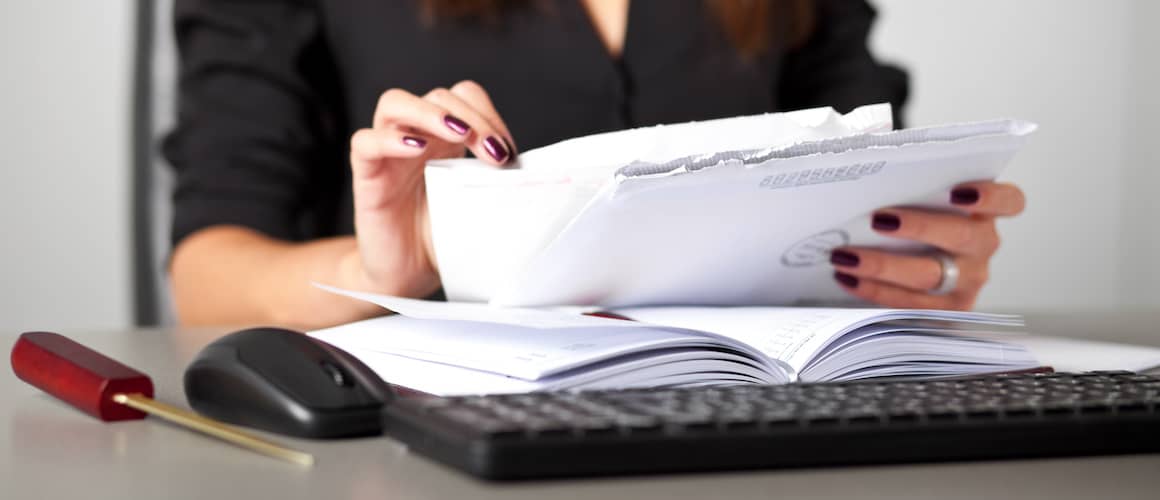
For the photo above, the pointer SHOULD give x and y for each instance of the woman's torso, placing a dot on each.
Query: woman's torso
(544, 65)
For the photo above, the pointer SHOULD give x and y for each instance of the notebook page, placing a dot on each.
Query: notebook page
(918, 352)
(504, 349)
(791, 334)
(940, 331)
(439, 379)
(514, 326)
(446, 380)
(647, 369)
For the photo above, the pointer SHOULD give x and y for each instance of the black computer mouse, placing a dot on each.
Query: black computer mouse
(286, 382)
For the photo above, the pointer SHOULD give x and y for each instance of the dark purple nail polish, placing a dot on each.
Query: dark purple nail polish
(844, 258)
(965, 196)
(495, 148)
(846, 279)
(456, 125)
(415, 142)
(886, 222)
(510, 148)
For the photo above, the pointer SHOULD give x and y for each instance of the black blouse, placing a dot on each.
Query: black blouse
(271, 90)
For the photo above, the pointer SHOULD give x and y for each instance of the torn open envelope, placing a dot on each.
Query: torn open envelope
(738, 211)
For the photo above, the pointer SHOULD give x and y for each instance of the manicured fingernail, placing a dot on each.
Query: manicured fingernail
(846, 279)
(456, 125)
(844, 258)
(415, 142)
(495, 148)
(965, 196)
(510, 148)
(886, 222)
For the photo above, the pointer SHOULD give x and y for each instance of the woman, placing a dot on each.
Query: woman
(304, 126)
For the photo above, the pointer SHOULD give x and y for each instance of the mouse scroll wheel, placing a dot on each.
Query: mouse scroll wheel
(336, 374)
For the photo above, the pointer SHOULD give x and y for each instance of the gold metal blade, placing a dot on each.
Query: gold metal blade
(213, 428)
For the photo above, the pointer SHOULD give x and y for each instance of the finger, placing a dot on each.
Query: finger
(989, 198)
(372, 144)
(473, 93)
(376, 182)
(399, 108)
(888, 295)
(920, 273)
(973, 235)
(487, 141)
(914, 272)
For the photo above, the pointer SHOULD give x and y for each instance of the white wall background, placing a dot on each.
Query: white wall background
(1085, 71)
(64, 164)
(1140, 271)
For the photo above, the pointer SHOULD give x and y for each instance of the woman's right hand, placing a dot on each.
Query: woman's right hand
(387, 161)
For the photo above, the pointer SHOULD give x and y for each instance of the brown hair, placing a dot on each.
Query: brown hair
(747, 23)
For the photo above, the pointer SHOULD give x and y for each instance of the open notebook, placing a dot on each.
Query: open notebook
(455, 348)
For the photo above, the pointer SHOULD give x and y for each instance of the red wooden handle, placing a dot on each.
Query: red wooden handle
(78, 375)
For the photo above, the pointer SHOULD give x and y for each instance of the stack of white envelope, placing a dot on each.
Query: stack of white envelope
(738, 211)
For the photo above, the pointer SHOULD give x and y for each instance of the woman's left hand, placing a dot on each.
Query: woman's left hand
(909, 281)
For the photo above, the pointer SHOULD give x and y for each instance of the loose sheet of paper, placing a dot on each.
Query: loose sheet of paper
(466, 311)
(1075, 355)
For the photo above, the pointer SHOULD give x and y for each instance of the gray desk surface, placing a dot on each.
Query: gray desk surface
(49, 450)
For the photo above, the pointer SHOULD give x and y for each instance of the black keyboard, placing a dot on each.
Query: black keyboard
(796, 425)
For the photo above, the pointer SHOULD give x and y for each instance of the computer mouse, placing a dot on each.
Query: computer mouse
(286, 382)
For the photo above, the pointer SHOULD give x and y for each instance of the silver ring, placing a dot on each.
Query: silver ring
(950, 275)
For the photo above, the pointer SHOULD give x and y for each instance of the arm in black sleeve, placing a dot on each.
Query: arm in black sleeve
(834, 66)
(255, 115)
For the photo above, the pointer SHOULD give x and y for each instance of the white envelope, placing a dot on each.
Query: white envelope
(754, 229)
(733, 226)
(488, 224)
